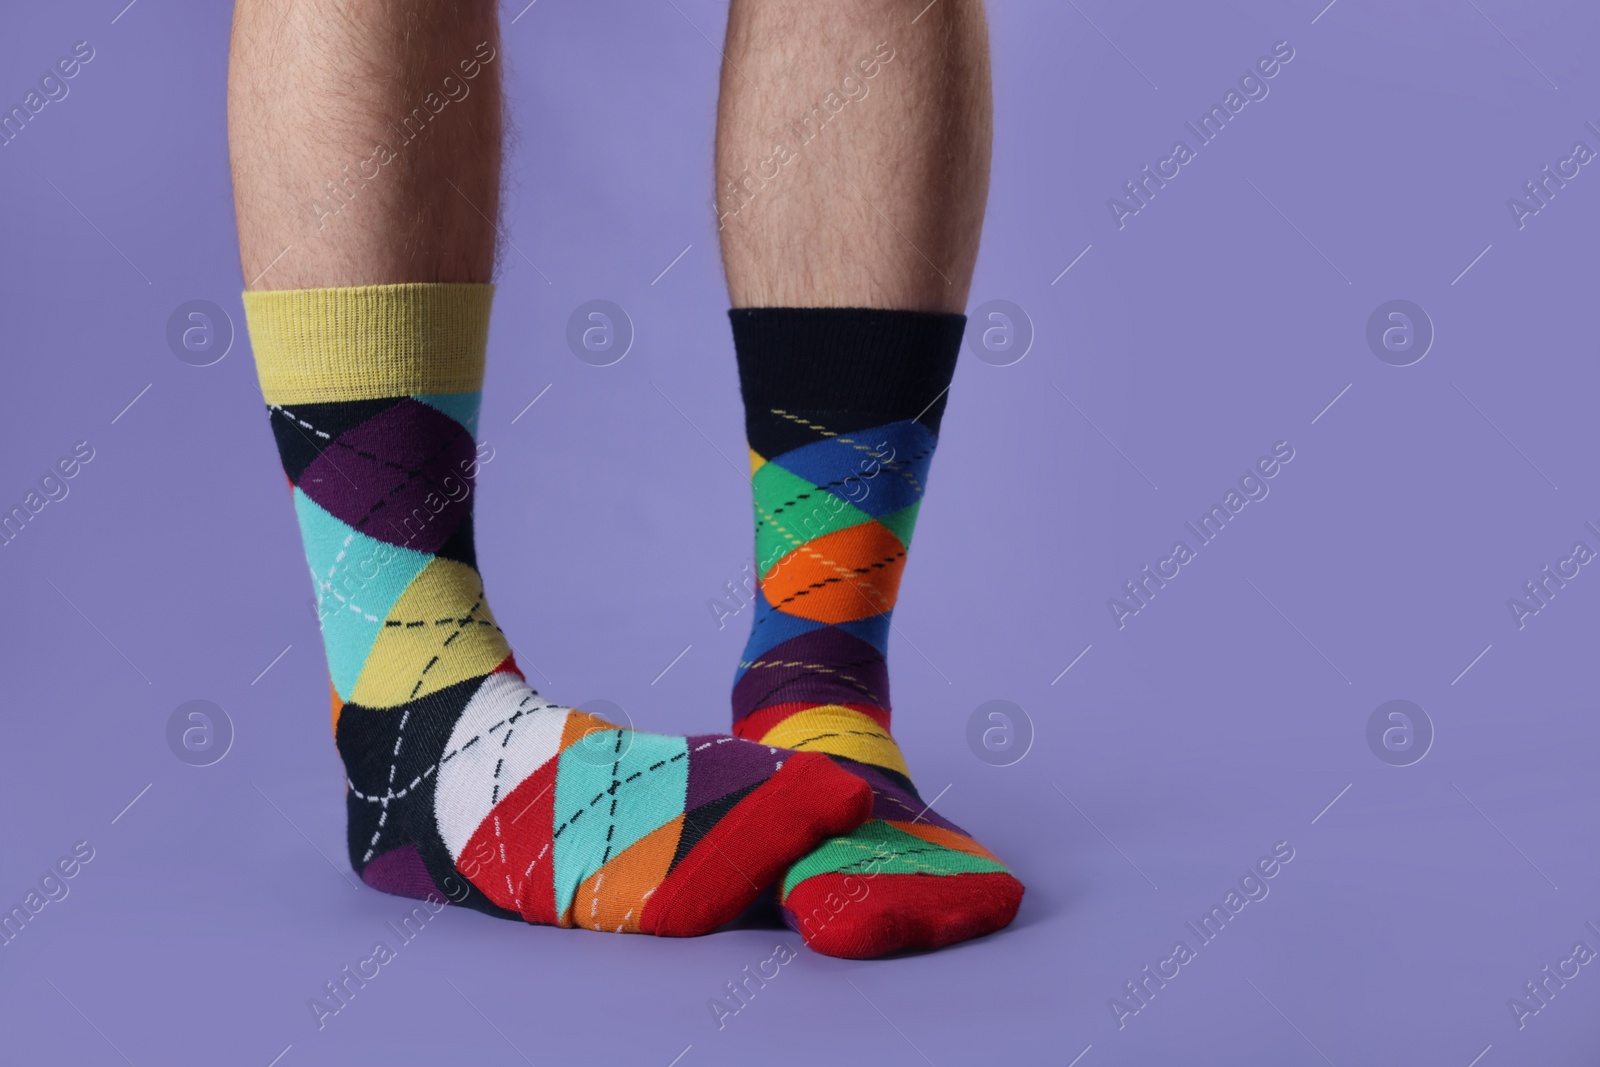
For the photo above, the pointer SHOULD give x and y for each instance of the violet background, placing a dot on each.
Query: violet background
(1190, 742)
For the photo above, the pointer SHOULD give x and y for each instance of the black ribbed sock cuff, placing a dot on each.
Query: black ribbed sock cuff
(892, 364)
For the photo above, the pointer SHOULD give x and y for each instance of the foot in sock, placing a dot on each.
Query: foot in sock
(842, 412)
(462, 782)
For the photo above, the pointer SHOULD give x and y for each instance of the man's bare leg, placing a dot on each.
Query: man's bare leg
(369, 336)
(882, 206)
(852, 168)
(365, 137)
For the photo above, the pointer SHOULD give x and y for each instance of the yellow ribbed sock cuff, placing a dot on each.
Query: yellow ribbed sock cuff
(368, 342)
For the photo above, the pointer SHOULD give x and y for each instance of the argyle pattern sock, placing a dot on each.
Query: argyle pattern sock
(842, 413)
(463, 784)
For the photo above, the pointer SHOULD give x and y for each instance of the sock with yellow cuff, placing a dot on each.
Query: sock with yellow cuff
(462, 782)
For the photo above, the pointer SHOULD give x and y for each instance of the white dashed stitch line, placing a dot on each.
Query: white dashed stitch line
(515, 894)
(326, 584)
(817, 667)
(524, 879)
(392, 794)
(383, 815)
(522, 709)
(295, 418)
(536, 860)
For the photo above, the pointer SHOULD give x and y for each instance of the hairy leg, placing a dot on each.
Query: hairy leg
(853, 152)
(365, 138)
(852, 165)
(366, 153)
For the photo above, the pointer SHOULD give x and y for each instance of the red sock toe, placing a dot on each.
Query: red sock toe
(862, 916)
